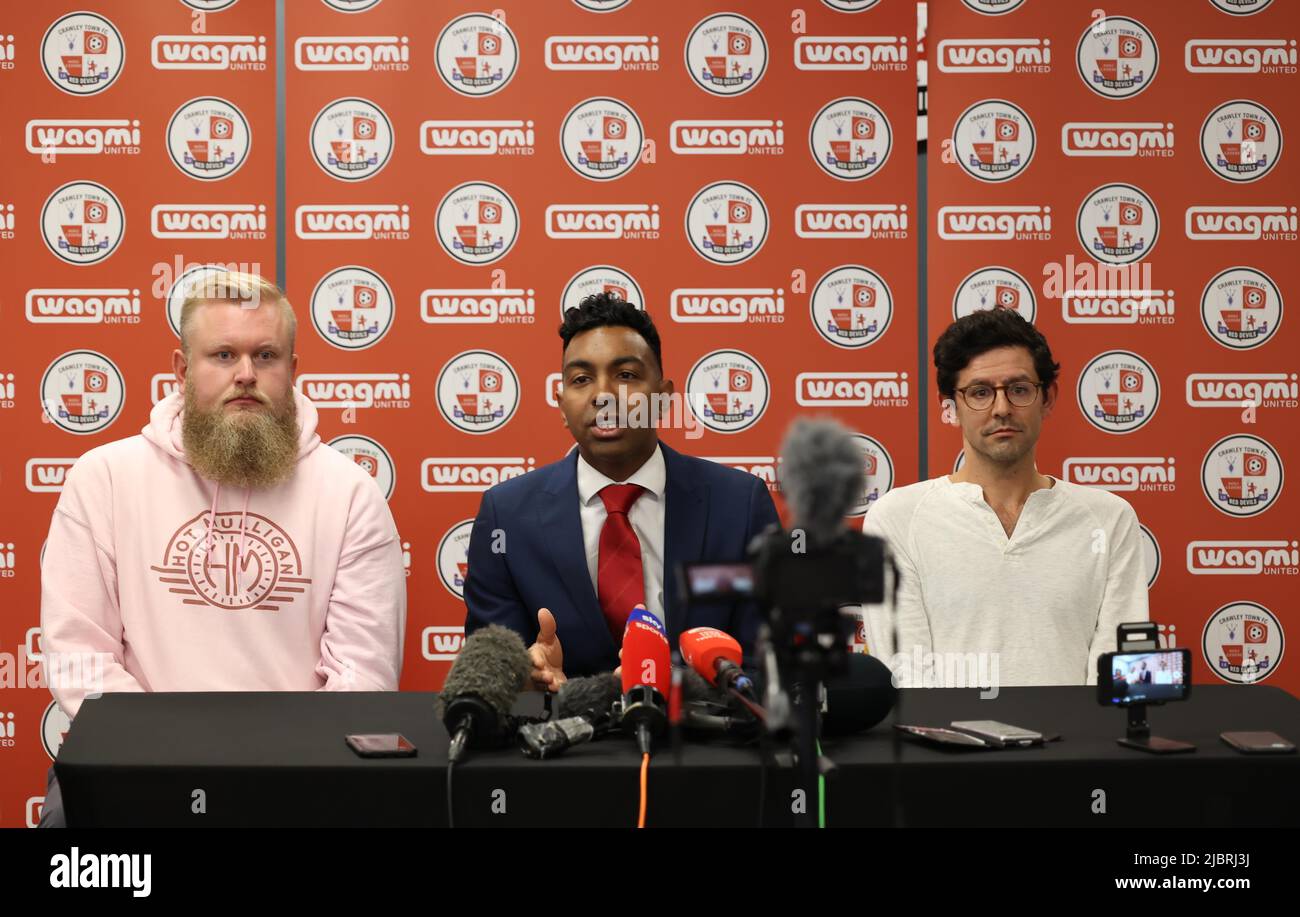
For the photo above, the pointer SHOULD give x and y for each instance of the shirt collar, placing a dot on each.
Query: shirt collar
(974, 493)
(652, 475)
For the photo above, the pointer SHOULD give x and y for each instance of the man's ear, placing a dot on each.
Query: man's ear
(179, 365)
(1049, 398)
(666, 386)
(293, 367)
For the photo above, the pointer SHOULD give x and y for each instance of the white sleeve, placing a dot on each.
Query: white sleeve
(905, 639)
(1125, 595)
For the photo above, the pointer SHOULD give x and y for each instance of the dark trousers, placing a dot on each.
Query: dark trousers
(52, 810)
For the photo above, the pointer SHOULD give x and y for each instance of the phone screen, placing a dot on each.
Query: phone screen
(1146, 677)
(719, 581)
(381, 745)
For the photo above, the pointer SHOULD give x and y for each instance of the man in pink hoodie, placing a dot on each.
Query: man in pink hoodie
(224, 548)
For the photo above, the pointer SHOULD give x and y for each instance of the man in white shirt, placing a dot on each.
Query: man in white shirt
(1008, 576)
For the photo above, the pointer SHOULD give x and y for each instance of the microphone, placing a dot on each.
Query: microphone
(859, 697)
(584, 708)
(639, 613)
(697, 690)
(593, 697)
(716, 656)
(487, 676)
(550, 738)
(821, 477)
(647, 669)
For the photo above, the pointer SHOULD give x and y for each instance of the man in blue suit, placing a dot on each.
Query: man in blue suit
(562, 554)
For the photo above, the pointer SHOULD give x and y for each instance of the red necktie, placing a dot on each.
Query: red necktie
(620, 581)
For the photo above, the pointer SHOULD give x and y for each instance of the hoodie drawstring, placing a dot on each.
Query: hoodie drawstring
(243, 520)
(212, 519)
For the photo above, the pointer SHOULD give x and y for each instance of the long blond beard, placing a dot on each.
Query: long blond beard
(246, 449)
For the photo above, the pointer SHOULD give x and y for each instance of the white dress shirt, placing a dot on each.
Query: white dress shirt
(1046, 600)
(646, 517)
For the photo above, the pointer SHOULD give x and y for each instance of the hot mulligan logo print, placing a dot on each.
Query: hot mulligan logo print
(371, 458)
(727, 222)
(82, 53)
(232, 563)
(850, 6)
(601, 278)
(851, 306)
(994, 288)
(1241, 141)
(478, 391)
(994, 140)
(1118, 391)
(82, 222)
(477, 223)
(601, 139)
(727, 390)
(352, 308)
(476, 54)
(453, 557)
(1118, 224)
(1241, 308)
(82, 391)
(1117, 57)
(1243, 642)
(726, 54)
(602, 6)
(1242, 475)
(878, 473)
(850, 139)
(352, 139)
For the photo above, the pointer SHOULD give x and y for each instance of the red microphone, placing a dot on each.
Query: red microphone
(716, 656)
(647, 672)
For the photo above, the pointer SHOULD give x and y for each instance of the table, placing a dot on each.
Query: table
(279, 759)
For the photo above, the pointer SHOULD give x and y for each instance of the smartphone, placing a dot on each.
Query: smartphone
(1144, 677)
(999, 734)
(1258, 743)
(381, 745)
(710, 582)
(940, 736)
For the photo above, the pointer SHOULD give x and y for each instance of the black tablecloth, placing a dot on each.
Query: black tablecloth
(279, 759)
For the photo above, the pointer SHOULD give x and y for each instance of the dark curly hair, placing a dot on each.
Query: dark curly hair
(603, 309)
(986, 330)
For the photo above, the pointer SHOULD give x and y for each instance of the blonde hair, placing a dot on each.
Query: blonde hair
(248, 290)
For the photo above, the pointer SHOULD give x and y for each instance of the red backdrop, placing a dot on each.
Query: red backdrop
(793, 293)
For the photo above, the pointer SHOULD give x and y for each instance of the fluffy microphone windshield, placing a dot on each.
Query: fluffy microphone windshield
(822, 476)
(492, 665)
(591, 696)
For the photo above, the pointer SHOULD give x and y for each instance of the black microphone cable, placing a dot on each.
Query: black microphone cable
(451, 806)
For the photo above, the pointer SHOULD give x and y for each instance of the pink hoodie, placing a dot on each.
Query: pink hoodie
(296, 588)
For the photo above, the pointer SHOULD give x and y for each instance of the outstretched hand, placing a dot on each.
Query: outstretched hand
(546, 655)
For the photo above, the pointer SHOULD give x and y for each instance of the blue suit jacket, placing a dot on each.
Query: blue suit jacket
(710, 514)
